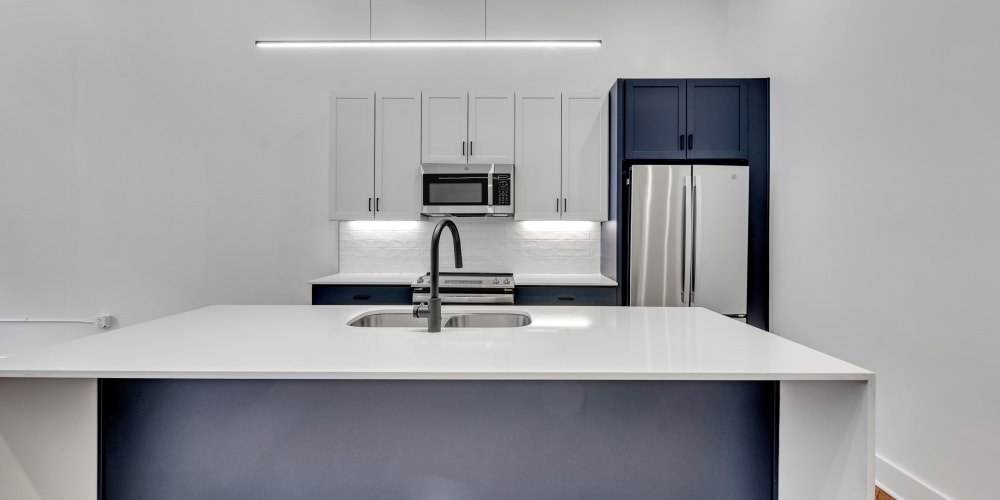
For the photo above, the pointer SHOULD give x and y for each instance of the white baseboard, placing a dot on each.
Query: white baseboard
(900, 484)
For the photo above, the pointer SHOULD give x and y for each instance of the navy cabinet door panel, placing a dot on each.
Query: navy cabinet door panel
(717, 119)
(565, 296)
(361, 294)
(655, 119)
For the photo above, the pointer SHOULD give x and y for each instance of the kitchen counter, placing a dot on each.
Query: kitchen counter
(366, 279)
(680, 387)
(563, 280)
(316, 342)
(520, 279)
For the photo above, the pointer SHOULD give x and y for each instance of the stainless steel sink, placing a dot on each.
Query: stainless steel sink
(389, 320)
(386, 319)
(488, 320)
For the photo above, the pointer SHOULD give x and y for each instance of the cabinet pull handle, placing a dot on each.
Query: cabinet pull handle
(557, 205)
(369, 204)
(690, 141)
(681, 141)
(376, 204)
(564, 205)
(470, 148)
(362, 297)
(463, 148)
(566, 297)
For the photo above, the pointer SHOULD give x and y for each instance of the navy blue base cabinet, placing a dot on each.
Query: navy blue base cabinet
(565, 296)
(361, 294)
(469, 439)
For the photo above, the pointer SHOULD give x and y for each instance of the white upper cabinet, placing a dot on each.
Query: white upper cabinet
(538, 161)
(445, 128)
(375, 156)
(585, 156)
(474, 127)
(397, 156)
(491, 127)
(378, 142)
(561, 170)
(352, 155)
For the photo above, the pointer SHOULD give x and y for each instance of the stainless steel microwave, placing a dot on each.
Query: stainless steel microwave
(468, 190)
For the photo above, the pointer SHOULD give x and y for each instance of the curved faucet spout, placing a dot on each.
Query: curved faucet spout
(436, 251)
(433, 309)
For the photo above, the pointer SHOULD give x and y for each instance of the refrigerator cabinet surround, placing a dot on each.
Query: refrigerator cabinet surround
(688, 237)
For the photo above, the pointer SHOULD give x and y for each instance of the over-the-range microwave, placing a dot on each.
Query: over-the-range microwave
(468, 190)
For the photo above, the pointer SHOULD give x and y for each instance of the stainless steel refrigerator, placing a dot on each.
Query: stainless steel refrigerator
(688, 237)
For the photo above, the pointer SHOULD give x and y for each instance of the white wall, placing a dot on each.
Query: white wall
(152, 160)
(884, 242)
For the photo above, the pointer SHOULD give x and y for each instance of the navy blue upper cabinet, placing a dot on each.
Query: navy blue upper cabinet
(655, 119)
(686, 119)
(717, 119)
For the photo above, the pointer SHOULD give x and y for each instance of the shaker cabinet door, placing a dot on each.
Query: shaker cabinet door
(352, 156)
(538, 162)
(397, 156)
(655, 119)
(585, 156)
(445, 127)
(717, 119)
(491, 127)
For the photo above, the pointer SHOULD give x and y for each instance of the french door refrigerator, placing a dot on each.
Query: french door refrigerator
(688, 237)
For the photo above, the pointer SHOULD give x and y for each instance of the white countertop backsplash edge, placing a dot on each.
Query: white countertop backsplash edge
(520, 279)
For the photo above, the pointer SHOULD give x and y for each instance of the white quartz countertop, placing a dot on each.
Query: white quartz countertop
(563, 280)
(366, 279)
(315, 342)
(595, 279)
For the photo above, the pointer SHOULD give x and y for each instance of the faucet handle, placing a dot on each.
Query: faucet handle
(421, 310)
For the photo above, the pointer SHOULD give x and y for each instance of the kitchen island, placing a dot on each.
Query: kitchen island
(293, 399)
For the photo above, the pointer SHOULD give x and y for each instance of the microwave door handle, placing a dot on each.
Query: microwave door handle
(489, 183)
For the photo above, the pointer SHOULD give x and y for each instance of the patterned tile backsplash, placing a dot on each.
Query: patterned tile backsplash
(488, 245)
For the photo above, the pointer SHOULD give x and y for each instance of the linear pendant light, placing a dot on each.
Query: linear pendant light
(484, 43)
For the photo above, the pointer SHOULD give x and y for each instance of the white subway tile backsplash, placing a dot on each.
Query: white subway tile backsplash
(487, 245)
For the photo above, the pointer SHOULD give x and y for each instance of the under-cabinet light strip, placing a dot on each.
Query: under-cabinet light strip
(289, 44)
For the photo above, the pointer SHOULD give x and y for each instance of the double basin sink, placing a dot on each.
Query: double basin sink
(384, 319)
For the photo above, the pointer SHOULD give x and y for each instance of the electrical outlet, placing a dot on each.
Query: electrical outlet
(103, 321)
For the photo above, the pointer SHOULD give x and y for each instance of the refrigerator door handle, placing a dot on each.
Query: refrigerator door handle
(694, 236)
(684, 238)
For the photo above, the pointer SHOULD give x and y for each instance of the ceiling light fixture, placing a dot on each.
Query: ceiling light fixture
(378, 44)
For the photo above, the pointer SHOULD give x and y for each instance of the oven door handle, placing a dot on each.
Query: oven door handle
(486, 298)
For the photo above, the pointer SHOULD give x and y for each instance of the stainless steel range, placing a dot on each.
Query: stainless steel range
(467, 288)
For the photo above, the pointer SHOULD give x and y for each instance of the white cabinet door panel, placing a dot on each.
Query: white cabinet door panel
(538, 159)
(491, 127)
(585, 156)
(352, 156)
(444, 119)
(397, 156)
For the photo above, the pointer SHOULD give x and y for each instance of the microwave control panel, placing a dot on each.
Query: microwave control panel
(501, 189)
